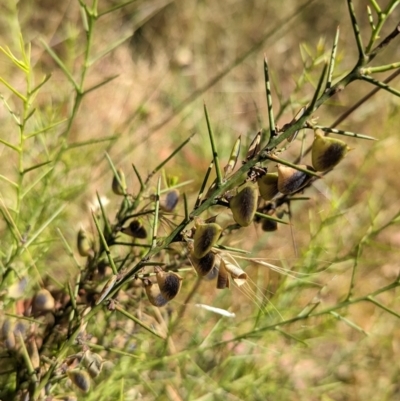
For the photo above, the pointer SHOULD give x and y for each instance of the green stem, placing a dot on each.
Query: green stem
(214, 149)
(269, 99)
(356, 30)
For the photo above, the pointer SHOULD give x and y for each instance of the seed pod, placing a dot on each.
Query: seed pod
(212, 274)
(169, 200)
(154, 294)
(33, 353)
(43, 301)
(119, 187)
(169, 283)
(223, 276)
(269, 225)
(80, 379)
(244, 204)
(107, 288)
(327, 152)
(135, 230)
(8, 335)
(204, 265)
(205, 238)
(93, 363)
(291, 180)
(233, 157)
(237, 274)
(84, 244)
(268, 185)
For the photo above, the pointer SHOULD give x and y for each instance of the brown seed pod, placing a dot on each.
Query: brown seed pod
(205, 237)
(119, 187)
(327, 152)
(268, 185)
(107, 288)
(244, 204)
(43, 301)
(237, 274)
(33, 353)
(135, 230)
(204, 265)
(169, 200)
(80, 379)
(84, 243)
(154, 294)
(169, 283)
(223, 276)
(291, 180)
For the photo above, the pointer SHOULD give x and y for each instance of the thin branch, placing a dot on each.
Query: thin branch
(213, 148)
(381, 85)
(356, 30)
(385, 42)
(269, 99)
(332, 59)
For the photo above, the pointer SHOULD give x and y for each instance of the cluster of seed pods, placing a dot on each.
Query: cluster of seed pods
(207, 261)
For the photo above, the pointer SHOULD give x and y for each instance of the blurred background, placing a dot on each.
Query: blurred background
(169, 57)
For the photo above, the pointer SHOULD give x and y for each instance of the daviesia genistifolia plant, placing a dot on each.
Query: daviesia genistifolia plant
(159, 238)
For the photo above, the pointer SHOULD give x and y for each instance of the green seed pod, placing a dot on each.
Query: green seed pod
(119, 187)
(291, 180)
(268, 185)
(169, 283)
(43, 301)
(80, 379)
(244, 204)
(169, 200)
(327, 152)
(84, 244)
(93, 363)
(205, 237)
(154, 294)
(204, 265)
(135, 230)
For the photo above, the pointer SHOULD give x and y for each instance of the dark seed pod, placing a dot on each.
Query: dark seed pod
(204, 265)
(205, 237)
(244, 204)
(135, 230)
(154, 294)
(84, 244)
(119, 187)
(268, 185)
(80, 379)
(169, 200)
(43, 301)
(291, 180)
(269, 225)
(327, 152)
(169, 283)
(213, 274)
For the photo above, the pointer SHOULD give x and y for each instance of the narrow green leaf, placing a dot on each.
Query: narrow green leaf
(36, 166)
(61, 65)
